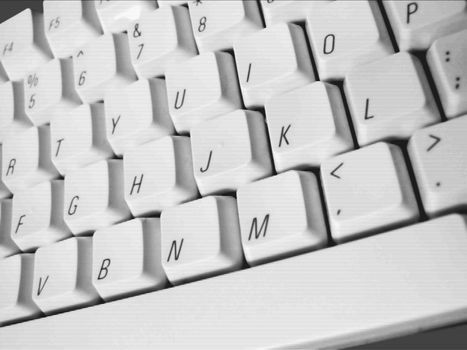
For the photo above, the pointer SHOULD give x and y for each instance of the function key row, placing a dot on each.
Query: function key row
(212, 26)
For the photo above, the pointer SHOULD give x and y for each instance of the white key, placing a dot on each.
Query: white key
(102, 64)
(165, 3)
(200, 239)
(117, 15)
(7, 245)
(127, 259)
(161, 38)
(13, 118)
(159, 175)
(218, 24)
(389, 285)
(389, 98)
(368, 190)
(63, 276)
(137, 114)
(230, 151)
(202, 88)
(416, 24)
(4, 191)
(37, 216)
(307, 126)
(278, 11)
(271, 62)
(438, 154)
(345, 34)
(79, 138)
(447, 59)
(26, 159)
(23, 45)
(69, 25)
(281, 216)
(49, 91)
(94, 197)
(16, 303)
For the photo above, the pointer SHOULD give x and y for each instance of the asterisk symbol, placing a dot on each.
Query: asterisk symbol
(197, 2)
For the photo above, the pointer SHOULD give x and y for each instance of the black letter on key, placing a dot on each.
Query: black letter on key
(326, 49)
(284, 135)
(177, 251)
(72, 208)
(136, 184)
(179, 105)
(411, 9)
(254, 226)
(104, 269)
(11, 166)
(114, 123)
(41, 286)
(20, 222)
(367, 108)
(207, 165)
(58, 146)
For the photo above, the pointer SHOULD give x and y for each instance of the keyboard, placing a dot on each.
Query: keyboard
(232, 174)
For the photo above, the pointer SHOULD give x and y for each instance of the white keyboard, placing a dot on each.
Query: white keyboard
(232, 174)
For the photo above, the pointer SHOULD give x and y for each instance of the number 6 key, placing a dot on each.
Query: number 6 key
(101, 64)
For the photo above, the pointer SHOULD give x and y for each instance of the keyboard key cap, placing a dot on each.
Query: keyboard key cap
(49, 91)
(23, 45)
(345, 34)
(416, 24)
(63, 276)
(368, 190)
(69, 25)
(7, 245)
(137, 114)
(307, 126)
(389, 98)
(126, 259)
(159, 175)
(37, 216)
(26, 159)
(202, 88)
(79, 138)
(217, 24)
(94, 197)
(201, 239)
(277, 11)
(438, 154)
(447, 59)
(161, 38)
(102, 64)
(117, 15)
(271, 62)
(13, 118)
(281, 216)
(16, 304)
(230, 151)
